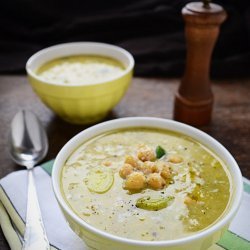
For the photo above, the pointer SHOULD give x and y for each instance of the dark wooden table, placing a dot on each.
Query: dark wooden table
(146, 97)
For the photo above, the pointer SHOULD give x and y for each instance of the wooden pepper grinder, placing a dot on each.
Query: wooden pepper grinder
(194, 99)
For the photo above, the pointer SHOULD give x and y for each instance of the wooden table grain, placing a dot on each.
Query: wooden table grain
(145, 97)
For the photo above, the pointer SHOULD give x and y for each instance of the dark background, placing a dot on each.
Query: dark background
(152, 30)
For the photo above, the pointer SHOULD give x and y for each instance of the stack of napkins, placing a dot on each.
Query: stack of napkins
(13, 194)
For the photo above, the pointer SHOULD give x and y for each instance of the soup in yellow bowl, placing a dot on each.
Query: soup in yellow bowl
(81, 82)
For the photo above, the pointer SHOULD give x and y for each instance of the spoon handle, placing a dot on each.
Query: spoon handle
(35, 235)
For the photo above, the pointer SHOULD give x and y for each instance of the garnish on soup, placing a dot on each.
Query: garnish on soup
(159, 152)
(154, 204)
(146, 170)
(99, 180)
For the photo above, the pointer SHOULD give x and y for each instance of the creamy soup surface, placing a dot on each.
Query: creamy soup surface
(146, 184)
(82, 69)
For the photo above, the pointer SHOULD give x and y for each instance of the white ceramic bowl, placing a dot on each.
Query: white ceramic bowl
(97, 239)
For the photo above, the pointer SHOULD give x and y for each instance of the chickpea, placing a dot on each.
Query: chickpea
(145, 153)
(155, 181)
(135, 181)
(175, 159)
(166, 172)
(107, 163)
(126, 170)
(132, 161)
(149, 167)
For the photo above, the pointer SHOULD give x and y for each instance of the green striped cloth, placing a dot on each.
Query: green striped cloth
(13, 190)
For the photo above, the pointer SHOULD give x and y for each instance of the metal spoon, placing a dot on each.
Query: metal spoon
(28, 144)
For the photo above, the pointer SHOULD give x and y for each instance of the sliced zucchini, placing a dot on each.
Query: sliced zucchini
(153, 204)
(99, 180)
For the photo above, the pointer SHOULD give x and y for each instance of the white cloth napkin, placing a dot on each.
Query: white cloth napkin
(59, 233)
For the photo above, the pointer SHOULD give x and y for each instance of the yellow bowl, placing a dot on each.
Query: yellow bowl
(76, 103)
(102, 240)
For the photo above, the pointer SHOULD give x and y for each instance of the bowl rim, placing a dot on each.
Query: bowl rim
(159, 123)
(44, 51)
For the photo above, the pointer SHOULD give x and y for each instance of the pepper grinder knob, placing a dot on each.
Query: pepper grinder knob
(194, 98)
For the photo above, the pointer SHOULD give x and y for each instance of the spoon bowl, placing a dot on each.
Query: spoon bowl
(28, 145)
(28, 142)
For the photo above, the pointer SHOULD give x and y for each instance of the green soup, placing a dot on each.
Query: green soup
(146, 184)
(82, 69)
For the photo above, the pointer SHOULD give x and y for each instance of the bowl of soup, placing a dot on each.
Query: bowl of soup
(81, 82)
(146, 183)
